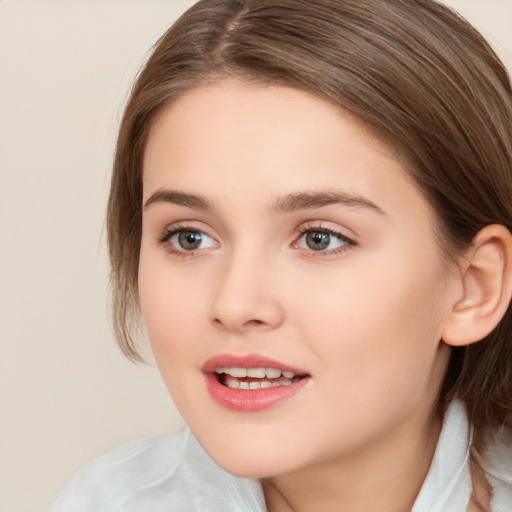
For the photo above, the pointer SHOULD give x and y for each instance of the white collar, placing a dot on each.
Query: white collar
(447, 487)
(448, 484)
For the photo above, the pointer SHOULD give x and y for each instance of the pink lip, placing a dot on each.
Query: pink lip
(249, 400)
(247, 361)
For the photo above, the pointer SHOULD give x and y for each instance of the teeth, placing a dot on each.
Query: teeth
(236, 383)
(255, 373)
(237, 372)
(273, 373)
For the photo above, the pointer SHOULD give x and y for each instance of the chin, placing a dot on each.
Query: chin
(245, 458)
(250, 467)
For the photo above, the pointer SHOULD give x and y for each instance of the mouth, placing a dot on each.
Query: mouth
(251, 383)
(255, 378)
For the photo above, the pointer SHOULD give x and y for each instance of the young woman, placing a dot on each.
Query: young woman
(311, 207)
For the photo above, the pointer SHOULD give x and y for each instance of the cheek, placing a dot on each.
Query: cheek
(171, 325)
(375, 344)
(169, 309)
(377, 327)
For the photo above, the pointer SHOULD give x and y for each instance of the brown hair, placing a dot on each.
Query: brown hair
(413, 71)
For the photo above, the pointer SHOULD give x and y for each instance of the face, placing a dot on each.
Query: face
(285, 250)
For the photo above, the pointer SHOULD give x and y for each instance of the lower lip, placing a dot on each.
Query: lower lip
(249, 400)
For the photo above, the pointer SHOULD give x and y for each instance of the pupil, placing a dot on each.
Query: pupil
(318, 241)
(190, 240)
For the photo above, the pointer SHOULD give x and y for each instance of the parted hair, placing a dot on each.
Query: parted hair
(413, 71)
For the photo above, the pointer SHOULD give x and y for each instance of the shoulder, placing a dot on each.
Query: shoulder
(107, 481)
(162, 473)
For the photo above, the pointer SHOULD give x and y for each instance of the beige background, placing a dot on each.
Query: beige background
(66, 393)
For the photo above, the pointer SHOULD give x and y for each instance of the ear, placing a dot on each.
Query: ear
(486, 291)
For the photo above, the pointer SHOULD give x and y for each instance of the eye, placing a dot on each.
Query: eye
(322, 240)
(187, 240)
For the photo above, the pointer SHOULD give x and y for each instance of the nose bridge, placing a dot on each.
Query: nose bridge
(246, 296)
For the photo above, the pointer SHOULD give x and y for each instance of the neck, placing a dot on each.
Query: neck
(386, 475)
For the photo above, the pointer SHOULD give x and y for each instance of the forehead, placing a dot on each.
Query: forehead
(233, 107)
(269, 140)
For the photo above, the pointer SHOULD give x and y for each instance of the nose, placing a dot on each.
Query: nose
(246, 297)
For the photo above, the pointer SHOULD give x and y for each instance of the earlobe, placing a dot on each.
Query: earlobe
(486, 280)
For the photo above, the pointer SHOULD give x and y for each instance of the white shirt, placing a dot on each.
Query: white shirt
(175, 474)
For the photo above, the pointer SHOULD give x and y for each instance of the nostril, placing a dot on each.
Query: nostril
(253, 323)
(218, 323)
(249, 324)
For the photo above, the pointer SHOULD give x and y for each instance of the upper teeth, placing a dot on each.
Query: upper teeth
(257, 373)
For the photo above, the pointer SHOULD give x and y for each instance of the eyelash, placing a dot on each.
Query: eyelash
(306, 229)
(166, 236)
(168, 233)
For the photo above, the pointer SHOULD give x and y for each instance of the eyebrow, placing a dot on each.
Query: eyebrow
(286, 204)
(171, 196)
(311, 200)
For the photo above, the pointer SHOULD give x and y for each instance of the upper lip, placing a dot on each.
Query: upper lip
(247, 361)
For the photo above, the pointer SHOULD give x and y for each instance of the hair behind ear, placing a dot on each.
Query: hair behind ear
(479, 375)
(480, 332)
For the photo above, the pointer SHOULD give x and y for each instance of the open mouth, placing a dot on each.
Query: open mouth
(255, 378)
(252, 382)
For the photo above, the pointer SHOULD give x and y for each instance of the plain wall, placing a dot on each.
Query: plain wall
(66, 392)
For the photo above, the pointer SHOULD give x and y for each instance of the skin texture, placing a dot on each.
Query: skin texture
(363, 318)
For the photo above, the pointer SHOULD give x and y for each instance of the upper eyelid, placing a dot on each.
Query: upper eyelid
(347, 240)
(320, 226)
(173, 230)
(299, 231)
(188, 225)
(165, 237)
